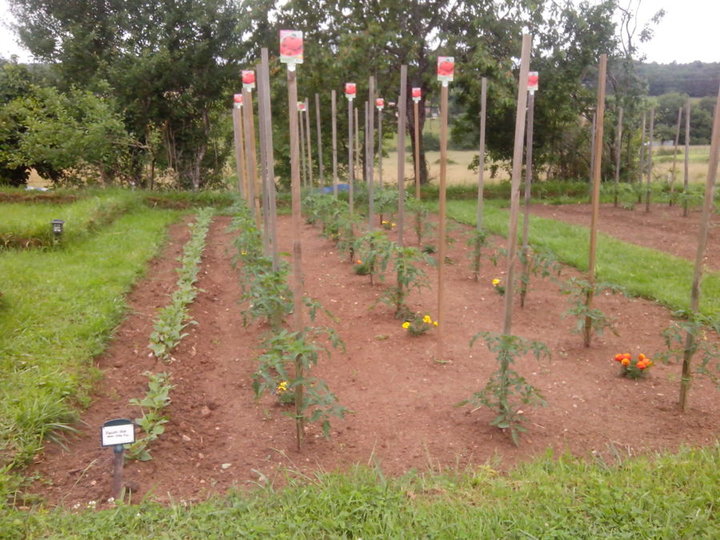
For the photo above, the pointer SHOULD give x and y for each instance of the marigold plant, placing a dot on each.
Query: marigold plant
(633, 368)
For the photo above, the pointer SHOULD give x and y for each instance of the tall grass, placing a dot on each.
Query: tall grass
(665, 496)
(642, 271)
(58, 309)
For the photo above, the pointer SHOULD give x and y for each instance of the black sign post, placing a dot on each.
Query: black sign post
(117, 433)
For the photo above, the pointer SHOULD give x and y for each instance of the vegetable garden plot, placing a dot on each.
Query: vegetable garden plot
(402, 401)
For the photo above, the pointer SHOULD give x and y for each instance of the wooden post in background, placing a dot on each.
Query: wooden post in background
(675, 151)
(308, 146)
(618, 153)
(481, 158)
(301, 134)
(250, 153)
(321, 169)
(528, 185)
(416, 118)
(592, 146)
(350, 95)
(380, 143)
(370, 150)
(239, 144)
(402, 111)
(261, 96)
(515, 183)
(358, 171)
(686, 178)
(266, 119)
(442, 220)
(642, 155)
(648, 192)
(333, 112)
(708, 206)
(597, 170)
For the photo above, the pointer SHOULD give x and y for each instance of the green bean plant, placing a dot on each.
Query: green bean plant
(507, 392)
(152, 422)
(172, 319)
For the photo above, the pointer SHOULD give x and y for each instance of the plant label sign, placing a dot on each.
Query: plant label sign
(301, 106)
(380, 103)
(533, 81)
(350, 90)
(416, 94)
(291, 48)
(117, 432)
(237, 101)
(445, 69)
(248, 79)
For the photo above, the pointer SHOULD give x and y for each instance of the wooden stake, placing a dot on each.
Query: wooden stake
(298, 285)
(618, 153)
(442, 226)
(250, 154)
(308, 146)
(416, 108)
(528, 184)
(370, 149)
(650, 160)
(515, 182)
(380, 147)
(266, 119)
(686, 178)
(642, 154)
(267, 241)
(321, 174)
(333, 112)
(402, 110)
(597, 172)
(481, 158)
(239, 149)
(675, 150)
(351, 162)
(592, 146)
(707, 211)
(358, 172)
(303, 160)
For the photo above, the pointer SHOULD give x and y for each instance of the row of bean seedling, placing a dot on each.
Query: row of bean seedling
(167, 334)
(269, 300)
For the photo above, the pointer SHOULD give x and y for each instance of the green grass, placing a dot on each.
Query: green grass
(641, 271)
(28, 224)
(663, 496)
(58, 309)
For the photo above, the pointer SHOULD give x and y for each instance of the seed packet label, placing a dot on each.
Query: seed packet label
(445, 68)
(350, 90)
(416, 94)
(380, 103)
(248, 79)
(301, 106)
(533, 81)
(238, 101)
(116, 432)
(291, 47)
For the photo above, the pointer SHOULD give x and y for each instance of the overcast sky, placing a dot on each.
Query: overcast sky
(684, 35)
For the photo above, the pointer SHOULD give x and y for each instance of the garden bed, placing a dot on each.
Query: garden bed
(401, 397)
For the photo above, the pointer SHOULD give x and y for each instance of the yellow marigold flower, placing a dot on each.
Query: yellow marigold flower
(495, 282)
(358, 261)
(436, 323)
(392, 224)
(427, 319)
(406, 325)
(282, 387)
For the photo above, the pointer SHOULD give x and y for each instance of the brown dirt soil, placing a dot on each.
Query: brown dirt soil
(401, 396)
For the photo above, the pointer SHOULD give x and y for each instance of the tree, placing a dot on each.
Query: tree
(170, 65)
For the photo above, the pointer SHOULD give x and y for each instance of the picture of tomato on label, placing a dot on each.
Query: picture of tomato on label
(350, 89)
(380, 103)
(417, 93)
(248, 76)
(446, 67)
(291, 46)
(237, 98)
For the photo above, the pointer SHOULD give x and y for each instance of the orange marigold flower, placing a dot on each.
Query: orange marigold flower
(618, 357)
(641, 356)
(625, 362)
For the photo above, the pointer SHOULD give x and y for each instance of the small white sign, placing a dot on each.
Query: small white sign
(116, 432)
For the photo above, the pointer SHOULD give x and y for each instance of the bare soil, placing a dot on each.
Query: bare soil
(402, 396)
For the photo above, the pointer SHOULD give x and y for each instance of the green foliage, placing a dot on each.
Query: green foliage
(539, 263)
(417, 324)
(578, 291)
(506, 392)
(173, 318)
(476, 242)
(152, 421)
(422, 226)
(375, 250)
(286, 349)
(59, 308)
(409, 276)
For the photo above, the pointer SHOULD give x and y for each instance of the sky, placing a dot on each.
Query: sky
(685, 34)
